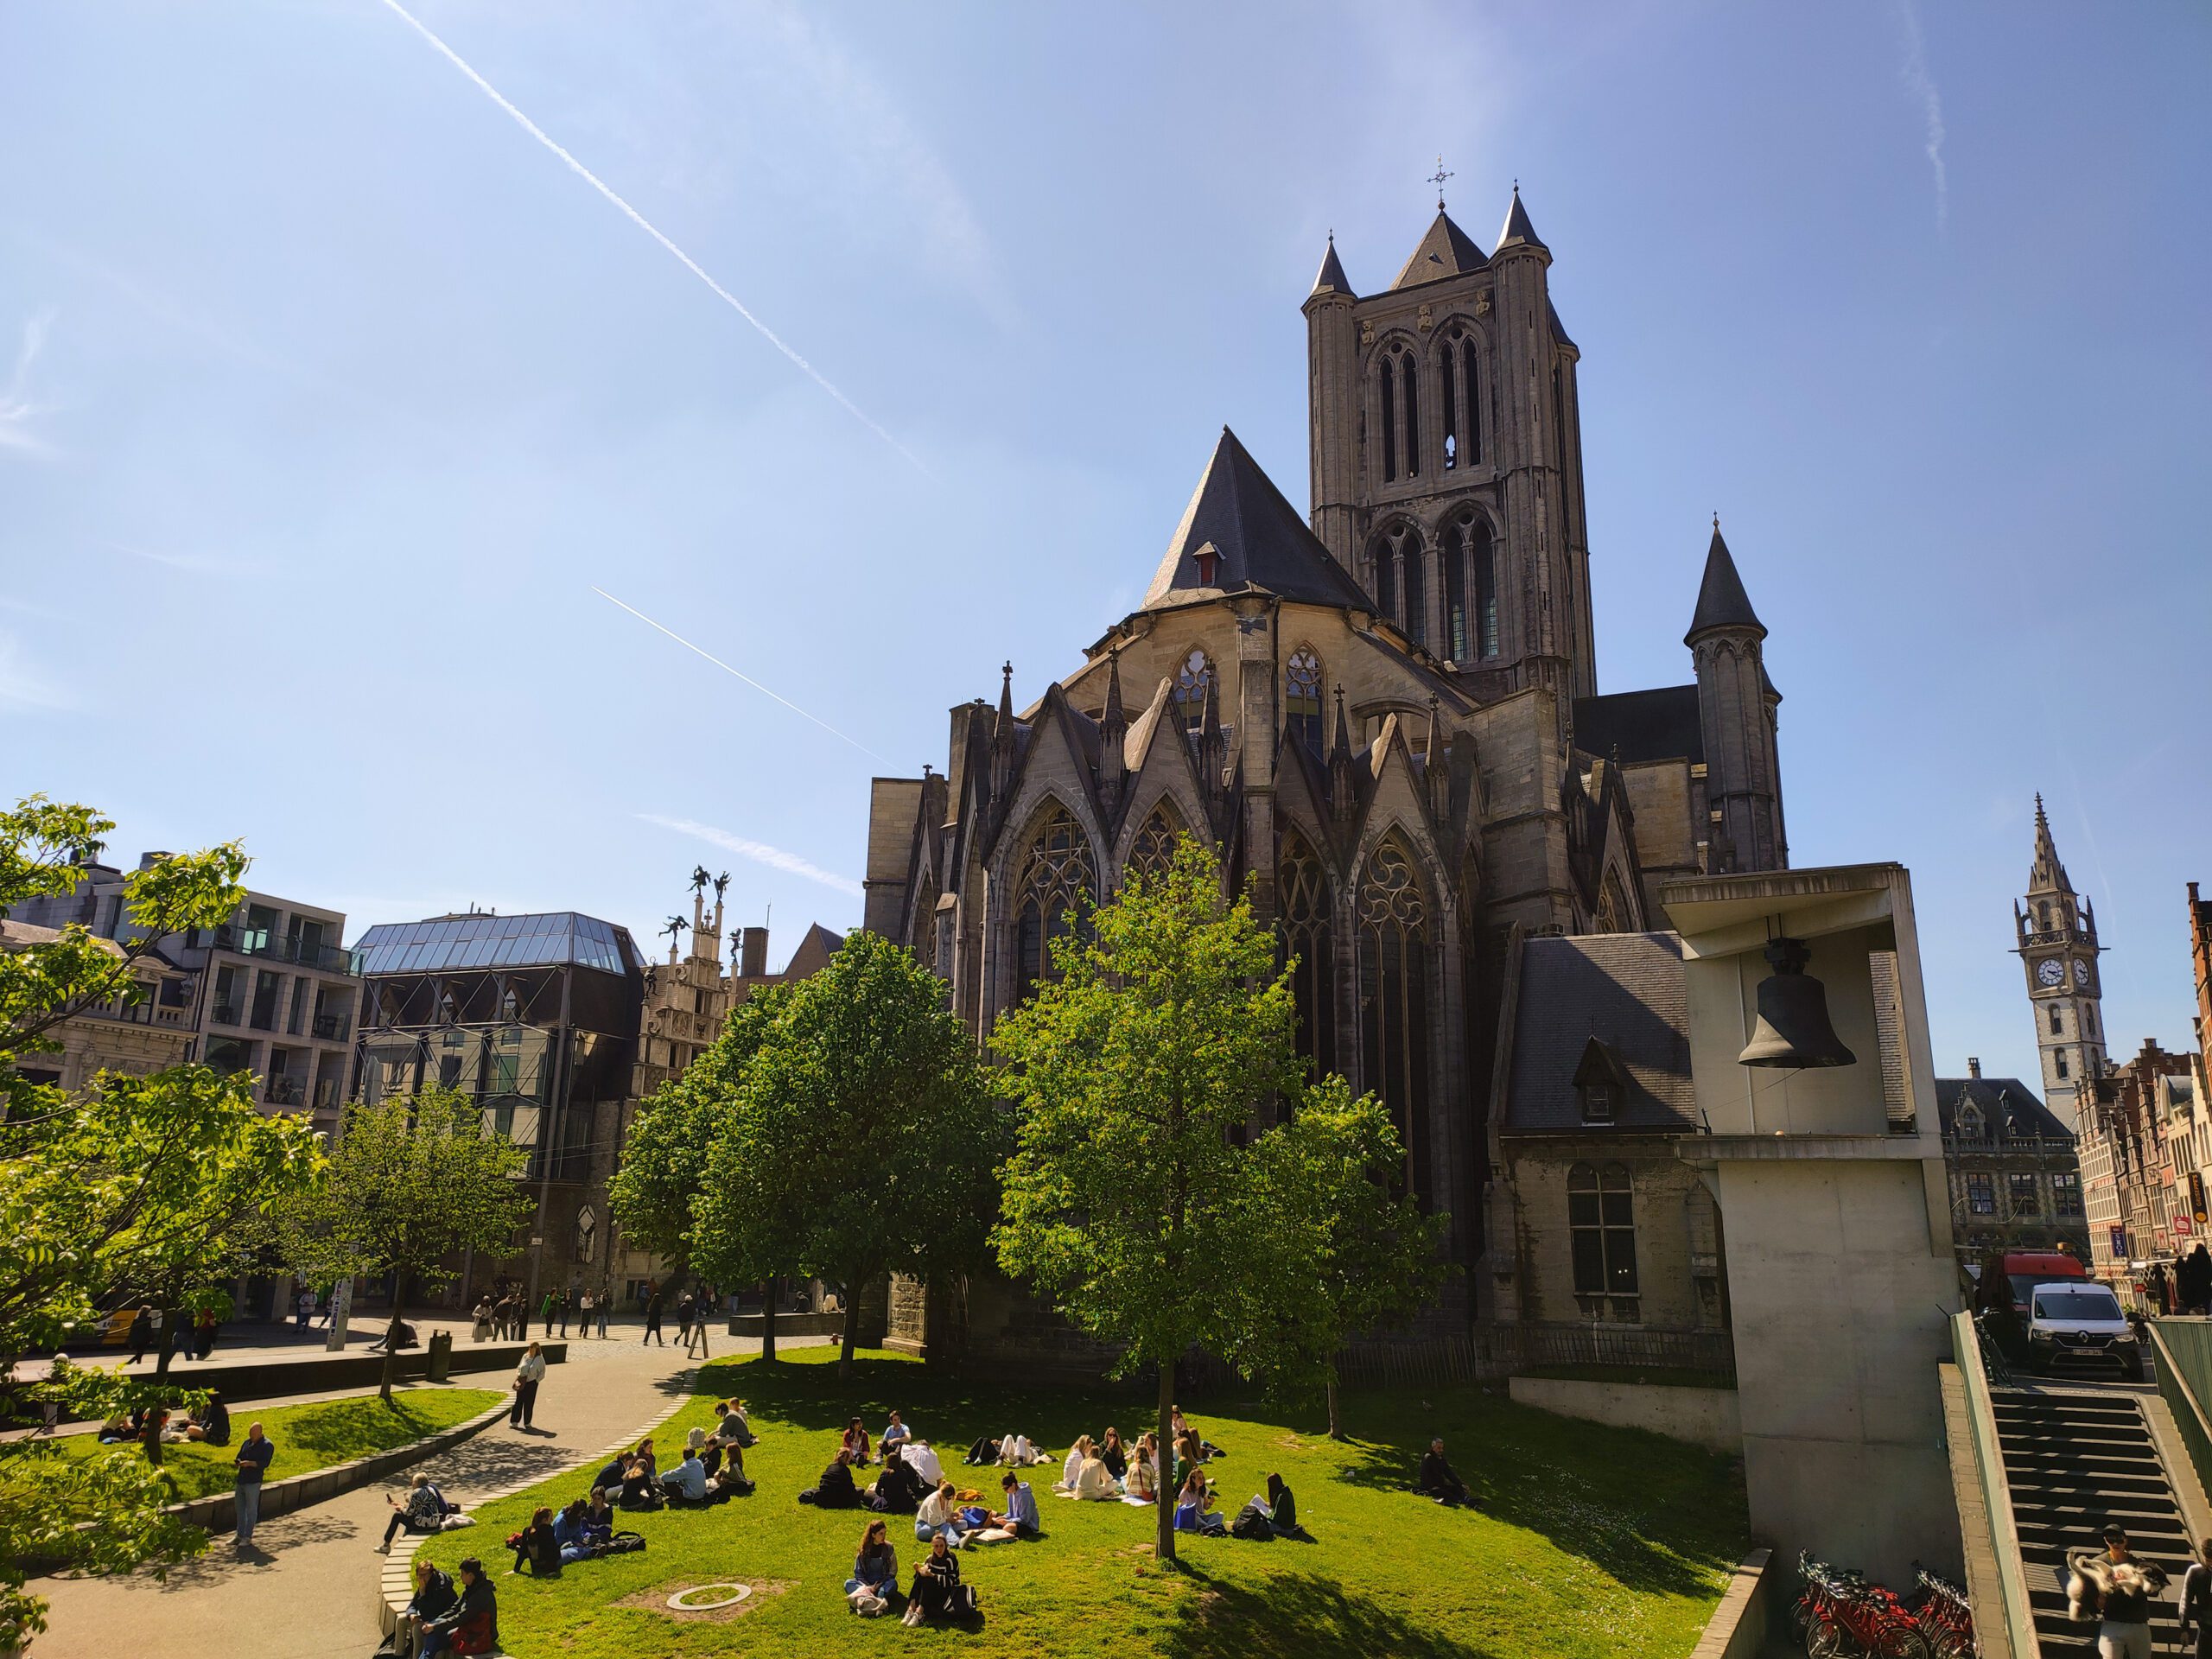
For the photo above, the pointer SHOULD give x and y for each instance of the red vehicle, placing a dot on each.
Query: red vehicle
(2025, 1269)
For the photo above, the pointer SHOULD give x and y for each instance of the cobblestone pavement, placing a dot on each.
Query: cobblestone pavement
(308, 1586)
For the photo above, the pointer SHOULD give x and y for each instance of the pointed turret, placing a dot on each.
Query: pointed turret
(1518, 232)
(1344, 784)
(1721, 600)
(1432, 762)
(1113, 735)
(1332, 279)
(1002, 740)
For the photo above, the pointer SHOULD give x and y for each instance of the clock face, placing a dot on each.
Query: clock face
(2082, 974)
(2052, 973)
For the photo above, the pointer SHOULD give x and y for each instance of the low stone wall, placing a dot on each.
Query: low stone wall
(1706, 1417)
(273, 1378)
(790, 1325)
(1738, 1629)
(217, 1512)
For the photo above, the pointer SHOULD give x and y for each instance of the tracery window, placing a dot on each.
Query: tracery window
(1057, 878)
(1457, 365)
(1400, 562)
(1308, 934)
(1398, 384)
(1153, 850)
(1601, 1221)
(1191, 682)
(1301, 697)
(1469, 589)
(1394, 998)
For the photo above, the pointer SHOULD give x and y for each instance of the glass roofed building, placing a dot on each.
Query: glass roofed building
(536, 1017)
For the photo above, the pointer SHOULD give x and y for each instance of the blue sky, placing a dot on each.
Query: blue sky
(328, 396)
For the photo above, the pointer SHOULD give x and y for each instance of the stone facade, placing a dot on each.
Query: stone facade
(2014, 1173)
(2145, 1131)
(1387, 720)
(141, 1030)
(2056, 930)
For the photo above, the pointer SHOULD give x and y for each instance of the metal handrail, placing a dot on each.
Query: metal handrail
(1968, 1347)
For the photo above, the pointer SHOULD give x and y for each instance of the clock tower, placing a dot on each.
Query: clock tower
(2057, 934)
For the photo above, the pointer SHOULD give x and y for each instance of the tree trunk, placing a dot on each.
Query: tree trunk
(768, 1322)
(392, 1339)
(1166, 1504)
(1336, 1414)
(852, 1333)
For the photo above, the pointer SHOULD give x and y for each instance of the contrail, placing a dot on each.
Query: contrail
(758, 851)
(648, 227)
(747, 679)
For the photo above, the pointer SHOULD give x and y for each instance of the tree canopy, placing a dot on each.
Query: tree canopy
(856, 1138)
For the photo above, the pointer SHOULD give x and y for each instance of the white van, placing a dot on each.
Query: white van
(2081, 1323)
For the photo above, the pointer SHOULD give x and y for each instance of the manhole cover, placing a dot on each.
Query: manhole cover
(705, 1598)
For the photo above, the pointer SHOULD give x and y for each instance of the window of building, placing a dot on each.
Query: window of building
(1057, 878)
(1393, 997)
(2062, 1069)
(1398, 385)
(1601, 1221)
(2055, 1029)
(1981, 1195)
(2025, 1200)
(1301, 697)
(1469, 589)
(1192, 681)
(2066, 1192)
(1153, 850)
(1399, 561)
(1598, 1103)
(1309, 937)
(2090, 1018)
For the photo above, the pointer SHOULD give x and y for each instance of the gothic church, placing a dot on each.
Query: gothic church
(1385, 714)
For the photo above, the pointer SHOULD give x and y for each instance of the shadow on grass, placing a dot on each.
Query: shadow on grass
(1297, 1615)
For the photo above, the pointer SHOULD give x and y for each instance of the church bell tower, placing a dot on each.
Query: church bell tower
(2057, 934)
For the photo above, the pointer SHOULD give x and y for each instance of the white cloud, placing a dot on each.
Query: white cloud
(17, 410)
(759, 852)
(1922, 86)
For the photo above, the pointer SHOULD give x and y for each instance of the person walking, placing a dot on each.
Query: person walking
(303, 1308)
(568, 1307)
(142, 1325)
(203, 1332)
(2117, 1590)
(583, 1314)
(685, 1307)
(545, 1311)
(528, 1376)
(256, 1451)
(653, 1317)
(2195, 1601)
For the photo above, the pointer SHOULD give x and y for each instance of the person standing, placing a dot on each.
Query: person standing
(528, 1376)
(203, 1331)
(568, 1307)
(605, 1298)
(545, 1311)
(653, 1317)
(303, 1308)
(583, 1314)
(2196, 1599)
(142, 1331)
(255, 1453)
(2117, 1590)
(482, 1316)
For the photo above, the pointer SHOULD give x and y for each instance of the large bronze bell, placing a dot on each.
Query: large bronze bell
(1793, 1032)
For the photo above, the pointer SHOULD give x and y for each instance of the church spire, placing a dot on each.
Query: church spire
(1332, 279)
(1721, 601)
(1113, 733)
(1343, 785)
(2047, 874)
(1518, 232)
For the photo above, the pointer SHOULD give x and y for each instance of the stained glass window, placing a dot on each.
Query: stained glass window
(1394, 998)
(1057, 876)
(1301, 697)
(1191, 682)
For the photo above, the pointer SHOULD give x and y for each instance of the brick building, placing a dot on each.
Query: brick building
(2014, 1175)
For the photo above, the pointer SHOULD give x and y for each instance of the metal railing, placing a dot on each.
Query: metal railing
(330, 1026)
(282, 1091)
(2181, 1349)
(278, 947)
(1967, 1351)
(227, 1014)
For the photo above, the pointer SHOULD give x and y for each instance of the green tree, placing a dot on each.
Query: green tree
(860, 1139)
(414, 1180)
(671, 1142)
(115, 1191)
(1131, 1200)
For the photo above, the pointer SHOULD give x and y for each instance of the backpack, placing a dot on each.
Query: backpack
(622, 1543)
(961, 1602)
(1252, 1524)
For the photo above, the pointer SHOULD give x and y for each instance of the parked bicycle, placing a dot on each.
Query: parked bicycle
(1945, 1616)
(1842, 1615)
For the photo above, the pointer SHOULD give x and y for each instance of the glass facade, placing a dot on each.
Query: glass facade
(445, 944)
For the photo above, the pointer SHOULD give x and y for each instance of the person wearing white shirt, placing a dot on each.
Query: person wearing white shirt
(528, 1376)
(938, 1517)
(923, 1456)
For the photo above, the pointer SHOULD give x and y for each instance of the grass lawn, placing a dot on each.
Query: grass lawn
(1594, 1541)
(308, 1438)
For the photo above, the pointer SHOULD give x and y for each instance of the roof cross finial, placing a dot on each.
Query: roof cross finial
(1437, 179)
(1716, 521)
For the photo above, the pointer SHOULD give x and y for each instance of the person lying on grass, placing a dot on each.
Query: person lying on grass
(1437, 1479)
(935, 1580)
(836, 1490)
(939, 1517)
(875, 1573)
(1018, 1520)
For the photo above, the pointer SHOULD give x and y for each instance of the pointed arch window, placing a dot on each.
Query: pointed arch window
(1394, 998)
(1400, 562)
(1469, 589)
(1459, 382)
(1153, 850)
(1301, 697)
(1309, 935)
(1398, 384)
(1191, 682)
(1058, 877)
(921, 938)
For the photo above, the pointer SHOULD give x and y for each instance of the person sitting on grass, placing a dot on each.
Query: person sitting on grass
(1019, 1519)
(895, 1435)
(536, 1547)
(571, 1531)
(1437, 1479)
(1093, 1484)
(730, 1423)
(1280, 1507)
(923, 1456)
(939, 1518)
(599, 1519)
(875, 1583)
(835, 1490)
(424, 1511)
(609, 1479)
(471, 1625)
(211, 1423)
(434, 1593)
(1064, 1486)
(730, 1482)
(687, 1481)
(856, 1443)
(639, 1489)
(935, 1579)
(711, 1458)
(1113, 1453)
(1140, 1485)
(1194, 1505)
(899, 1490)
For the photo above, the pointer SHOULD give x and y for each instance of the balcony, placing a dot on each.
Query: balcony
(282, 1091)
(273, 947)
(229, 1013)
(330, 1027)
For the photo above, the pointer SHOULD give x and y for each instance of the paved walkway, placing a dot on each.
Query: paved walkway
(307, 1586)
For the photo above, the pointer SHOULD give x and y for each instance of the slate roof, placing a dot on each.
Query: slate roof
(1660, 724)
(1721, 600)
(1332, 273)
(2005, 1103)
(1259, 541)
(1518, 228)
(1447, 250)
(1625, 989)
